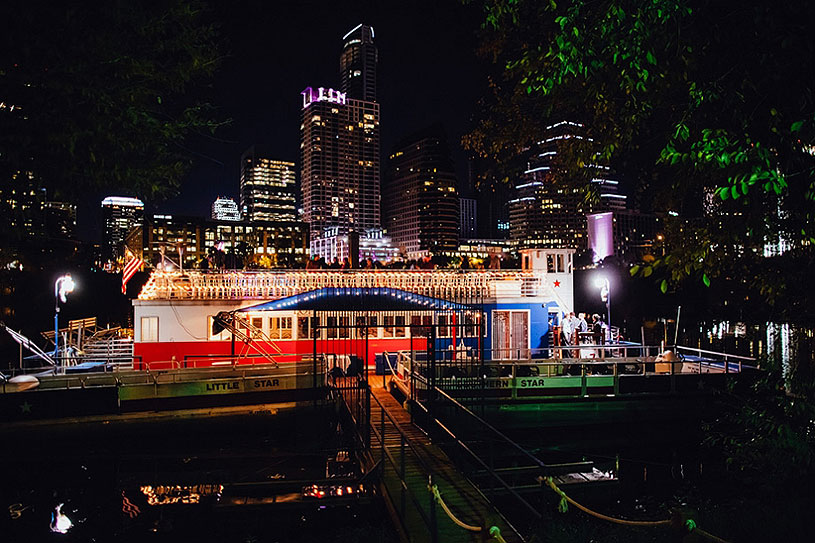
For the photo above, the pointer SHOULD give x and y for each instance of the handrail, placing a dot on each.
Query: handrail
(483, 464)
(486, 424)
(472, 453)
(168, 376)
(427, 469)
(398, 429)
(726, 355)
(393, 462)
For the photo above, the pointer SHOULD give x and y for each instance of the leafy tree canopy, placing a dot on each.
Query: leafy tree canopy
(103, 96)
(707, 105)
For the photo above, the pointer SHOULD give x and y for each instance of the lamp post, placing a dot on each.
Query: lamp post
(603, 284)
(63, 286)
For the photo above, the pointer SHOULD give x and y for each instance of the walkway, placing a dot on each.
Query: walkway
(409, 456)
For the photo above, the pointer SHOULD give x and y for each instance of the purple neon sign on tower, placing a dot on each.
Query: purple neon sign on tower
(322, 94)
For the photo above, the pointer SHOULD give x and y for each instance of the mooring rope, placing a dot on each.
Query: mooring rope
(393, 372)
(690, 524)
(494, 531)
(434, 489)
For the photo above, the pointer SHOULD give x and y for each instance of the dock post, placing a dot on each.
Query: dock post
(616, 378)
(583, 384)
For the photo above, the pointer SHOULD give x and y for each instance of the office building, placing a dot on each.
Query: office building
(36, 231)
(468, 218)
(421, 208)
(340, 163)
(225, 209)
(267, 187)
(121, 214)
(548, 209)
(60, 220)
(493, 210)
(339, 151)
(358, 64)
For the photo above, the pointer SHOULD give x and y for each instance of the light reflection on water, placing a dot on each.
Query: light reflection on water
(209, 481)
(773, 344)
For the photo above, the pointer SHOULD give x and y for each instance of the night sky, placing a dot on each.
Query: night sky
(428, 71)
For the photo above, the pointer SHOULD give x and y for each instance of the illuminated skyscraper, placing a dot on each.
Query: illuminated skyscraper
(121, 214)
(339, 150)
(358, 64)
(339, 147)
(225, 209)
(548, 211)
(267, 187)
(421, 209)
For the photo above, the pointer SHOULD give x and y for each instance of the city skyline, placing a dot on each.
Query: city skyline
(265, 107)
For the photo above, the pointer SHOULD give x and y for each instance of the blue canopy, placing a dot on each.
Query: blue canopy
(358, 299)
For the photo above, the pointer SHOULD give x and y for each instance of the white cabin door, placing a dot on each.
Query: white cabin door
(510, 335)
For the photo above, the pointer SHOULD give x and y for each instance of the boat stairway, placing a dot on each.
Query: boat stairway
(117, 351)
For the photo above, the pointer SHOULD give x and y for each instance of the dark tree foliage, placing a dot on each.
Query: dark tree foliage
(707, 105)
(104, 95)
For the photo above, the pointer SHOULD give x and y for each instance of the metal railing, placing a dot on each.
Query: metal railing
(265, 284)
(726, 358)
(122, 377)
(465, 376)
(412, 497)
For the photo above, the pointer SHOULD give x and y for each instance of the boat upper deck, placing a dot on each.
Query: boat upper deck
(445, 284)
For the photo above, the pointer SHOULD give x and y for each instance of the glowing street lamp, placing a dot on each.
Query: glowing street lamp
(64, 286)
(603, 284)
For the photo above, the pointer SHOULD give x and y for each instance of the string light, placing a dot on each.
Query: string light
(267, 285)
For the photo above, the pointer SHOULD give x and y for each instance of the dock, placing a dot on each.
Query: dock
(410, 466)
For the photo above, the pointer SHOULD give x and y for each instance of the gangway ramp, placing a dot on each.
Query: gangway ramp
(410, 465)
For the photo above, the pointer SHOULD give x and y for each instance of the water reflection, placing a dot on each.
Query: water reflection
(60, 523)
(785, 346)
(210, 480)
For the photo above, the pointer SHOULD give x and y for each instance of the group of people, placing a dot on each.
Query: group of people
(573, 325)
(494, 262)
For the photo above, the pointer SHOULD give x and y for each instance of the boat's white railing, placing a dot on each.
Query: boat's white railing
(447, 284)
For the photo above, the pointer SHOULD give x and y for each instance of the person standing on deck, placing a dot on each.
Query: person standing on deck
(568, 329)
(582, 326)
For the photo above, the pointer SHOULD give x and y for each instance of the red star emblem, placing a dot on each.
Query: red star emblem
(557, 283)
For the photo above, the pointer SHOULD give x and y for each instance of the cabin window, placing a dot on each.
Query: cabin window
(331, 327)
(345, 327)
(360, 326)
(400, 326)
(257, 327)
(302, 327)
(469, 325)
(280, 328)
(388, 328)
(220, 336)
(373, 329)
(307, 327)
(149, 329)
(444, 320)
(416, 328)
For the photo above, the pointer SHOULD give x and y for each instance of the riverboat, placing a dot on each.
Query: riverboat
(197, 319)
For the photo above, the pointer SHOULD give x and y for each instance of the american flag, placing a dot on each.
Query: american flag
(130, 268)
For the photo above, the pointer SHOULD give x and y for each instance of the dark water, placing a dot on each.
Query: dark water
(100, 474)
